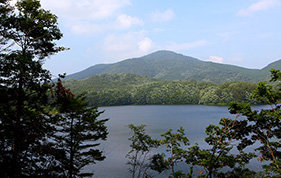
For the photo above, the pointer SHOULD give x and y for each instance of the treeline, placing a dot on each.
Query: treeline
(129, 89)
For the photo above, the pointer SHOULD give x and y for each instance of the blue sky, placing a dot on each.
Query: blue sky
(246, 33)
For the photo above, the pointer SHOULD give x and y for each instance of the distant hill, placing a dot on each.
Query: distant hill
(106, 81)
(168, 65)
(128, 89)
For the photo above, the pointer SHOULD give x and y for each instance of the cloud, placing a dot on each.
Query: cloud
(158, 16)
(187, 45)
(145, 45)
(118, 47)
(84, 9)
(124, 21)
(259, 6)
(86, 17)
(215, 59)
(92, 16)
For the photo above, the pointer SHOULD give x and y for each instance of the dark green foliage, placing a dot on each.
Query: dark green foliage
(167, 65)
(33, 29)
(77, 133)
(158, 163)
(34, 143)
(24, 122)
(263, 126)
(124, 89)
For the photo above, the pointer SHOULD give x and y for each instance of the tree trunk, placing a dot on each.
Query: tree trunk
(15, 167)
(172, 161)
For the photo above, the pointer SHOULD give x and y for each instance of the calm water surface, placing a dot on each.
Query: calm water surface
(159, 119)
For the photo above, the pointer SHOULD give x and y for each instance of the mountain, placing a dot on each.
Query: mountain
(168, 65)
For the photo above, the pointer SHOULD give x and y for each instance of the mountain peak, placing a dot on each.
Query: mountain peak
(167, 55)
(161, 53)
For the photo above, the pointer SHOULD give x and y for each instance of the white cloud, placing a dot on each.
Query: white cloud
(118, 47)
(145, 45)
(124, 21)
(86, 17)
(185, 46)
(215, 59)
(92, 16)
(84, 9)
(259, 6)
(158, 16)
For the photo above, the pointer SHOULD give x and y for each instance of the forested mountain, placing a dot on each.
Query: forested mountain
(127, 89)
(168, 65)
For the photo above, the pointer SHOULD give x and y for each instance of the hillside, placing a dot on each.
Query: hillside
(99, 82)
(124, 89)
(167, 65)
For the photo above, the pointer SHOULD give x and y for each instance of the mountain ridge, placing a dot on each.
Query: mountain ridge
(168, 65)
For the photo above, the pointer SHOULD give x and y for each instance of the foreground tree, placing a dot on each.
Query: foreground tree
(263, 126)
(174, 142)
(220, 154)
(78, 131)
(141, 146)
(24, 85)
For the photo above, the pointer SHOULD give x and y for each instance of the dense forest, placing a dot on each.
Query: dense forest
(127, 89)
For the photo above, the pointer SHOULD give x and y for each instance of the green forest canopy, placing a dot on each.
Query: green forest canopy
(127, 89)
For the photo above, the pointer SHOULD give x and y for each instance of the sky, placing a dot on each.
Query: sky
(245, 33)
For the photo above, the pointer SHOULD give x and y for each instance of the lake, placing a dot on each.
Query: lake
(158, 119)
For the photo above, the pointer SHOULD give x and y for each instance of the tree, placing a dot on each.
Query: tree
(173, 142)
(24, 86)
(219, 155)
(264, 125)
(77, 131)
(141, 146)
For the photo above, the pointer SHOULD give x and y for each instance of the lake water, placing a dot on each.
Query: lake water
(158, 119)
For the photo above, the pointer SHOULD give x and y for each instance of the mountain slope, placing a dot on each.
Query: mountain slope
(106, 81)
(167, 65)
